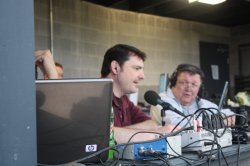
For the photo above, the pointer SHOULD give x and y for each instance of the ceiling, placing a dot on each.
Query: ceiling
(229, 14)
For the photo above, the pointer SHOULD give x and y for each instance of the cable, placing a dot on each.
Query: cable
(242, 124)
(161, 137)
(200, 112)
(128, 143)
(188, 122)
(238, 156)
(160, 157)
(179, 155)
(182, 158)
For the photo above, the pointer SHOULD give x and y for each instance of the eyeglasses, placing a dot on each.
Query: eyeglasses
(189, 84)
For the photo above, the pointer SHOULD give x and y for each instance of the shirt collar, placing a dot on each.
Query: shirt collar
(117, 99)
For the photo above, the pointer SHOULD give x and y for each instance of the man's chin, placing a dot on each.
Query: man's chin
(135, 90)
(186, 103)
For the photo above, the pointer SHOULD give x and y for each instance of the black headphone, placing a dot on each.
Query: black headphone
(185, 67)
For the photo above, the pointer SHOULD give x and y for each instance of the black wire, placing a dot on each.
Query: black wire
(219, 155)
(182, 158)
(204, 112)
(214, 142)
(172, 148)
(215, 127)
(242, 123)
(128, 143)
(219, 151)
(172, 133)
(188, 122)
(238, 156)
(179, 155)
(160, 157)
(162, 137)
(196, 142)
(208, 140)
(224, 157)
(89, 156)
(201, 111)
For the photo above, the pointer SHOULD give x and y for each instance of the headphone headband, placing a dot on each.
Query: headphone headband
(185, 67)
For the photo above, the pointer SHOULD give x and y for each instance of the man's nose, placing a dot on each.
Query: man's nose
(142, 75)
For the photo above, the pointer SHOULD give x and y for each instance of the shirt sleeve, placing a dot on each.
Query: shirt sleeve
(227, 112)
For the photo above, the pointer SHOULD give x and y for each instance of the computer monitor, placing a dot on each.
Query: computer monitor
(223, 96)
(163, 84)
(73, 119)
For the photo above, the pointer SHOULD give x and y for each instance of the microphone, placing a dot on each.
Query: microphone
(153, 98)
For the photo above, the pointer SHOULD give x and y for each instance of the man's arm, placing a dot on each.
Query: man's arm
(145, 125)
(44, 60)
(229, 119)
(124, 134)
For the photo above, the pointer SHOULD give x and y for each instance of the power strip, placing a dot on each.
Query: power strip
(194, 141)
(146, 151)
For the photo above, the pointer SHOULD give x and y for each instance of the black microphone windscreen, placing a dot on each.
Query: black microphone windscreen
(151, 97)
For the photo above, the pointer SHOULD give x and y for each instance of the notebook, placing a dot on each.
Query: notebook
(73, 119)
(217, 122)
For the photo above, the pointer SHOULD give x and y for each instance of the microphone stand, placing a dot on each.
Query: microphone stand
(162, 116)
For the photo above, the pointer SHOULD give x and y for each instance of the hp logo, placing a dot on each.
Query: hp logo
(91, 148)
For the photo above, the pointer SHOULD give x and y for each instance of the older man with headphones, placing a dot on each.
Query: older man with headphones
(182, 94)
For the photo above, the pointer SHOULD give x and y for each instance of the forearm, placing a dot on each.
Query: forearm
(50, 70)
(44, 60)
(123, 135)
(146, 125)
(148, 131)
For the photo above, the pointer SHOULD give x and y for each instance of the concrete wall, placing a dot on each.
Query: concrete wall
(82, 32)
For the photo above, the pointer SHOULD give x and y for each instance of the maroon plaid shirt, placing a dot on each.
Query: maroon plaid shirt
(126, 113)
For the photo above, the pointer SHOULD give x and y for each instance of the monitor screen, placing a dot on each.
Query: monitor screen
(163, 84)
(73, 119)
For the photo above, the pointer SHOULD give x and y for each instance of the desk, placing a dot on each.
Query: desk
(230, 153)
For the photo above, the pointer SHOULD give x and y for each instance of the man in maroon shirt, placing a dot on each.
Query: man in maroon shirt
(124, 64)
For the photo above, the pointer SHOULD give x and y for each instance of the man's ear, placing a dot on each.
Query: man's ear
(115, 67)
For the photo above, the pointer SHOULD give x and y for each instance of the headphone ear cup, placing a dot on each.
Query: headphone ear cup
(201, 91)
(173, 79)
